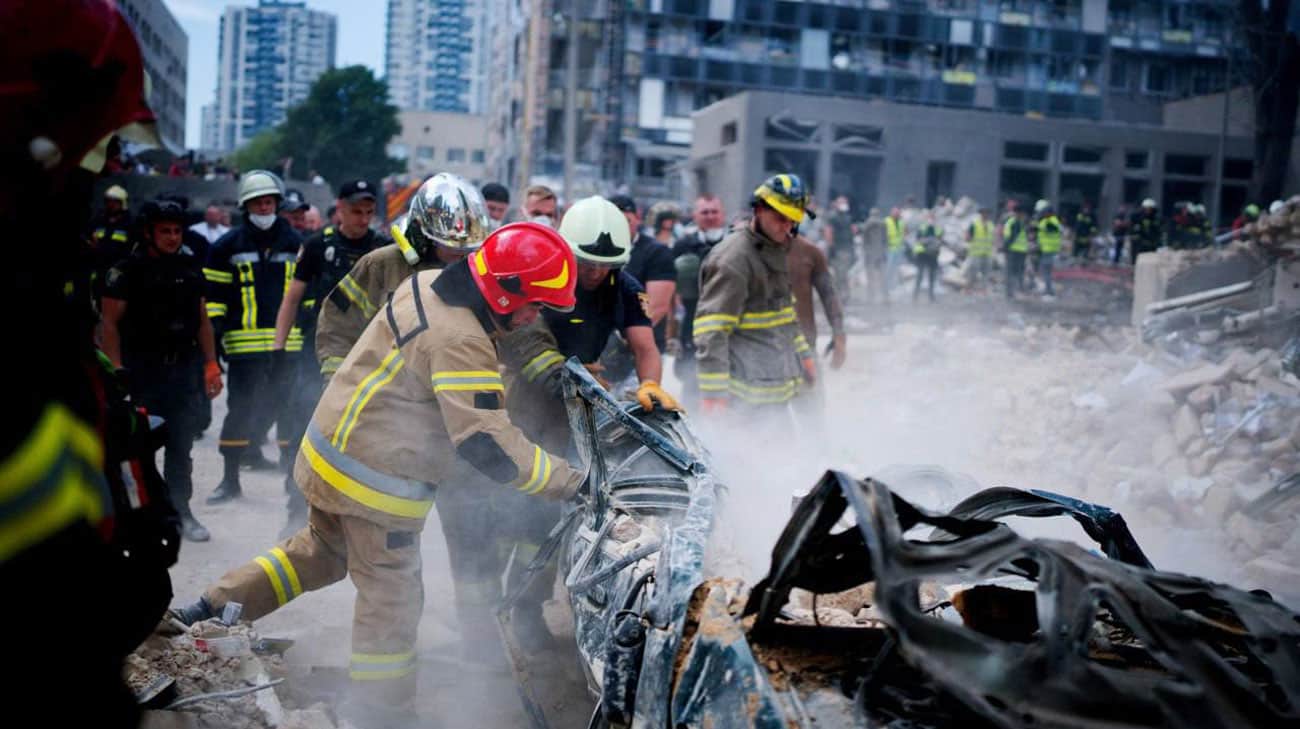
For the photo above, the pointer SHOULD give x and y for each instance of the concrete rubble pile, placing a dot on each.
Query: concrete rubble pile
(171, 669)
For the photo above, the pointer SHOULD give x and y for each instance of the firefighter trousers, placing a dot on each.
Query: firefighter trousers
(385, 568)
(250, 396)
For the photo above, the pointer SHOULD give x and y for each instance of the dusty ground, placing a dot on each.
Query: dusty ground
(962, 384)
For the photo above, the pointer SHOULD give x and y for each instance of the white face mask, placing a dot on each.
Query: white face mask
(546, 220)
(713, 235)
(263, 222)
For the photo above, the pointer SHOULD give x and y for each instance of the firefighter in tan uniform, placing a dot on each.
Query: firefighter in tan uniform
(446, 222)
(416, 403)
(750, 350)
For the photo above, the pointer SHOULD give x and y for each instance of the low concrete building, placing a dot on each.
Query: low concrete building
(165, 48)
(434, 141)
(879, 153)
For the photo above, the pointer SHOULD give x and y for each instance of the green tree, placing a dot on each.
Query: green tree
(262, 152)
(341, 130)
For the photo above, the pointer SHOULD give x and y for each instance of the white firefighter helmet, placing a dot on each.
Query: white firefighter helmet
(1276, 207)
(1042, 206)
(447, 211)
(1149, 203)
(116, 192)
(256, 183)
(598, 232)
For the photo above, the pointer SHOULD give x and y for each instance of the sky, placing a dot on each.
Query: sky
(360, 40)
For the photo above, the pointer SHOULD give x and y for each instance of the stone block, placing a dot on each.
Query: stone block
(1184, 382)
(1187, 427)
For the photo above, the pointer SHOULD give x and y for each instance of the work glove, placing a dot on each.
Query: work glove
(650, 393)
(714, 405)
(839, 350)
(596, 368)
(809, 370)
(212, 379)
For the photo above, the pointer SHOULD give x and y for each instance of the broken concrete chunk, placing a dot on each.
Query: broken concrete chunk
(1218, 501)
(1203, 398)
(1185, 382)
(1246, 530)
(1187, 426)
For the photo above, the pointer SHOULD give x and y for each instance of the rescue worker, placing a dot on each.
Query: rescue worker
(751, 352)
(689, 252)
(497, 199)
(979, 248)
(1199, 231)
(110, 232)
(293, 208)
(445, 223)
(895, 252)
(651, 264)
(417, 403)
(809, 272)
(839, 244)
(663, 222)
(248, 272)
(608, 300)
(324, 260)
(1121, 226)
(73, 77)
(1049, 243)
(874, 254)
(540, 205)
(1015, 244)
(925, 254)
(1148, 231)
(1085, 228)
(156, 327)
(1249, 214)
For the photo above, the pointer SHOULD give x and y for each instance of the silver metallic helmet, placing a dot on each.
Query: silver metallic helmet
(447, 211)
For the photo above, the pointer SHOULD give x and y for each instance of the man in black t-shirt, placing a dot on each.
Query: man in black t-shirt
(325, 258)
(651, 264)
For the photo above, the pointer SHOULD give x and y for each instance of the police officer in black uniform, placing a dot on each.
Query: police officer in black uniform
(324, 260)
(156, 327)
(248, 271)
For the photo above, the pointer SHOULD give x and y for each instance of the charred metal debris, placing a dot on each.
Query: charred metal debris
(934, 620)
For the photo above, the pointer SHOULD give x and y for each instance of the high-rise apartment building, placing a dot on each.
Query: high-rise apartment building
(643, 67)
(436, 54)
(165, 48)
(269, 56)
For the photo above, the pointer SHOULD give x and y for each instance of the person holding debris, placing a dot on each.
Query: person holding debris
(925, 254)
(1049, 243)
(752, 354)
(1015, 244)
(446, 222)
(979, 248)
(416, 404)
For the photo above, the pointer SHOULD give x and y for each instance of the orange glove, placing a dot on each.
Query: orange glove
(809, 370)
(650, 393)
(714, 405)
(212, 379)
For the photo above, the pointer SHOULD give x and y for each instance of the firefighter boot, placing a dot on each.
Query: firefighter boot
(192, 530)
(229, 488)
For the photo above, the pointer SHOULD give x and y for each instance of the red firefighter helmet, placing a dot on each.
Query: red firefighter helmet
(524, 263)
(70, 75)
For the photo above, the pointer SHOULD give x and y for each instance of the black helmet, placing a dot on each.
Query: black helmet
(162, 210)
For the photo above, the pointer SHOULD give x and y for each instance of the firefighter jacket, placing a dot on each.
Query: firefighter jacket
(416, 402)
(1148, 231)
(747, 339)
(248, 271)
(981, 239)
(1049, 234)
(1085, 226)
(348, 308)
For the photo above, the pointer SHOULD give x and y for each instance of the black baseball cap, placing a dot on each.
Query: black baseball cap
(293, 201)
(356, 191)
(496, 192)
(623, 202)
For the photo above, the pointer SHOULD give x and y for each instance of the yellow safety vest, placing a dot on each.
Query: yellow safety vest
(1049, 241)
(1018, 244)
(981, 240)
(894, 229)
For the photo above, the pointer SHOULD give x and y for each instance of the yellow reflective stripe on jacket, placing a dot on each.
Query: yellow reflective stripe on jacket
(289, 268)
(801, 344)
(279, 570)
(381, 666)
(52, 480)
(364, 485)
(467, 381)
(714, 381)
(330, 365)
(119, 236)
(715, 323)
(763, 394)
(369, 385)
(766, 319)
(357, 295)
(542, 362)
(247, 296)
(894, 233)
(215, 309)
(219, 277)
(540, 474)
